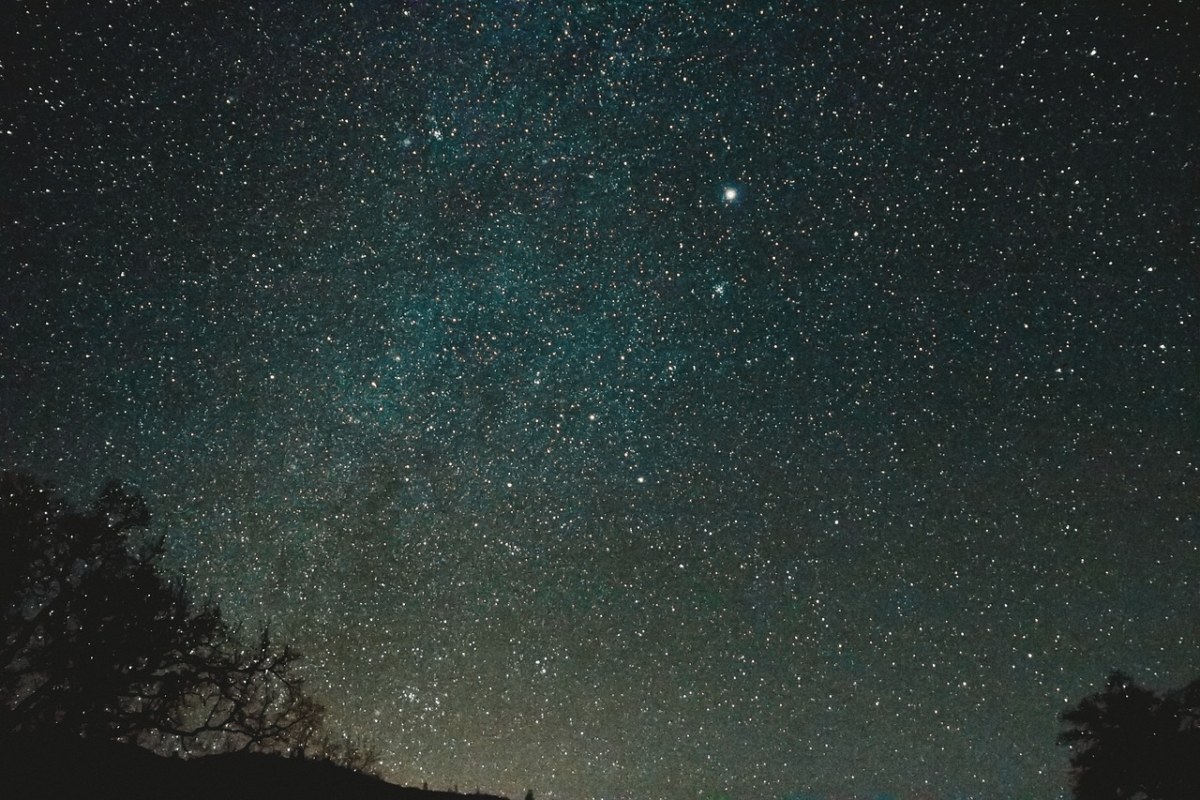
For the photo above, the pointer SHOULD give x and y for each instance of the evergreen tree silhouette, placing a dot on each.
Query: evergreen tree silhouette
(1130, 742)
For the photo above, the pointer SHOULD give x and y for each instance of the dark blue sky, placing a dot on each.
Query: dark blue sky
(433, 335)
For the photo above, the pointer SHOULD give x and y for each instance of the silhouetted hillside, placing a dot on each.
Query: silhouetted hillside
(79, 769)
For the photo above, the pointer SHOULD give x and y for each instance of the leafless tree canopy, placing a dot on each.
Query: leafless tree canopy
(96, 642)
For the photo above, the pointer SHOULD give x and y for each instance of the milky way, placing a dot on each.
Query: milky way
(621, 400)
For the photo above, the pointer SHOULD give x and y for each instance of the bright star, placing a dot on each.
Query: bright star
(731, 193)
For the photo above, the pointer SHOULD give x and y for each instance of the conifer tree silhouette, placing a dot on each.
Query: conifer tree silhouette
(1130, 742)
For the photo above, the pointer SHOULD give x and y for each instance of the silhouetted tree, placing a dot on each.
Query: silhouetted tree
(1130, 742)
(95, 641)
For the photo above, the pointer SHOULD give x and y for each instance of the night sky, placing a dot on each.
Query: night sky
(610, 399)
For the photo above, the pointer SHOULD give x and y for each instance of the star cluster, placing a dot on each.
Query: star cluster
(664, 400)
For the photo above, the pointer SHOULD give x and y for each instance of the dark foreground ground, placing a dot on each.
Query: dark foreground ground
(105, 770)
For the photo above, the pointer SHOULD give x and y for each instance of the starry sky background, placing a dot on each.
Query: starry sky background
(634, 400)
